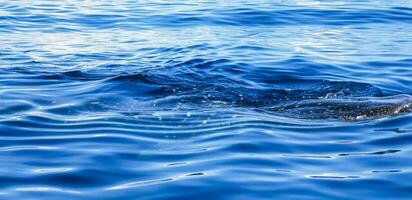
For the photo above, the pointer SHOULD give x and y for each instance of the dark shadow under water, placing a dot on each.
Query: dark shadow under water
(286, 97)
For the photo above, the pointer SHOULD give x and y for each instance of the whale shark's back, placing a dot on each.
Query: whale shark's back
(303, 99)
(286, 92)
(347, 108)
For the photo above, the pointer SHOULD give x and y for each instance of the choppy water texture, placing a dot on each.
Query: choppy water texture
(205, 99)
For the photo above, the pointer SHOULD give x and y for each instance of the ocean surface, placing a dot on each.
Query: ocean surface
(288, 99)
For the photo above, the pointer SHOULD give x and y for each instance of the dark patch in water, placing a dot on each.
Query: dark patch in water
(303, 99)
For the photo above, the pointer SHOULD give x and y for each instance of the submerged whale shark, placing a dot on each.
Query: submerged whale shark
(302, 99)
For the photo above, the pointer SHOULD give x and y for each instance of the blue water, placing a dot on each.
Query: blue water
(174, 100)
